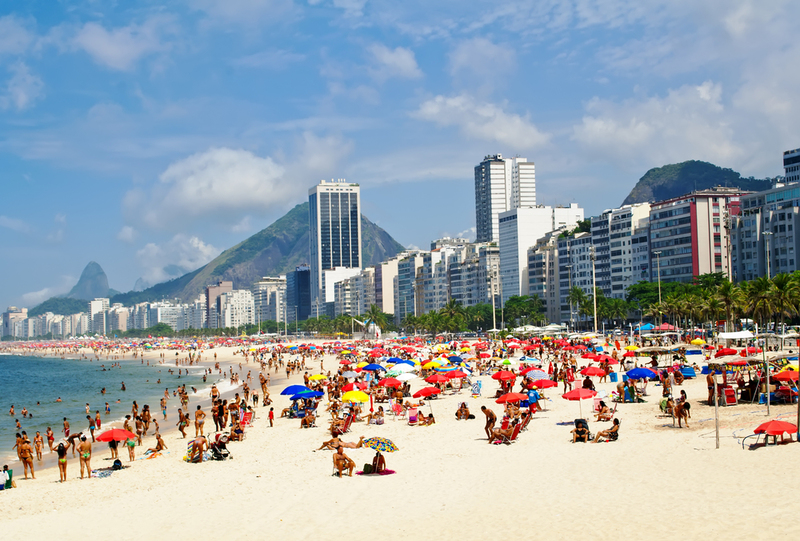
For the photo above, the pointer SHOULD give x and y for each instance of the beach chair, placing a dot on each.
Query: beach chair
(476, 389)
(509, 439)
(346, 428)
(247, 418)
(398, 410)
(413, 416)
(609, 416)
(525, 421)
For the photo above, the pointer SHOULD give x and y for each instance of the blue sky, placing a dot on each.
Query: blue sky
(150, 138)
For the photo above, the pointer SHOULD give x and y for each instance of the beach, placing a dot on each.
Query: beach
(654, 481)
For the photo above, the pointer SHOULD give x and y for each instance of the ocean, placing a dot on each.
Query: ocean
(24, 381)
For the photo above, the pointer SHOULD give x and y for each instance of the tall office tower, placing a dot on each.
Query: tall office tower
(298, 293)
(212, 302)
(501, 184)
(791, 165)
(334, 209)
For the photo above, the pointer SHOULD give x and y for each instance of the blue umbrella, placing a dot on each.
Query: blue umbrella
(373, 366)
(405, 361)
(640, 373)
(310, 394)
(455, 359)
(295, 389)
(394, 360)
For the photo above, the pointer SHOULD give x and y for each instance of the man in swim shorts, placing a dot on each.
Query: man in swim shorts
(491, 419)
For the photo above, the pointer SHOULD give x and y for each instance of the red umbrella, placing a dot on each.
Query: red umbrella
(593, 371)
(775, 428)
(788, 375)
(545, 383)
(504, 375)
(360, 385)
(426, 391)
(484, 355)
(437, 378)
(725, 351)
(579, 395)
(629, 354)
(457, 374)
(390, 382)
(589, 355)
(116, 434)
(511, 397)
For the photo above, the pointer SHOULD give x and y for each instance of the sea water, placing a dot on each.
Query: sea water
(24, 381)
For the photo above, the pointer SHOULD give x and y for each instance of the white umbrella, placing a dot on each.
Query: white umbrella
(403, 367)
(407, 376)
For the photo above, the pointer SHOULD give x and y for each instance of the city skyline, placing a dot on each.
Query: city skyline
(151, 138)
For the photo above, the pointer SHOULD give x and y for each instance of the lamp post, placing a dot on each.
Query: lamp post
(594, 288)
(766, 234)
(658, 270)
(569, 295)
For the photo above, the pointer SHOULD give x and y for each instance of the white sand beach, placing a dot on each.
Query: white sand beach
(655, 482)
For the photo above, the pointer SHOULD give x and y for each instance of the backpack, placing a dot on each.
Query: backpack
(117, 465)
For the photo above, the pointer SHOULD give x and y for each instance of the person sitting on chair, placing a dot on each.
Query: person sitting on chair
(462, 412)
(372, 418)
(588, 383)
(500, 433)
(602, 412)
(378, 463)
(308, 420)
(580, 432)
(610, 434)
(426, 421)
(341, 462)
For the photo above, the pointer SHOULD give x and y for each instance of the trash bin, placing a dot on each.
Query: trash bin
(624, 377)
(613, 377)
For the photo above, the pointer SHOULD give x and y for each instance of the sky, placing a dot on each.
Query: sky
(151, 136)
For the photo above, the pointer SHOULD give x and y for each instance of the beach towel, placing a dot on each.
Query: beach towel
(476, 389)
(384, 472)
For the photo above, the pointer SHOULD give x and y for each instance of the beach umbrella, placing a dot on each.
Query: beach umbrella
(294, 389)
(579, 395)
(390, 382)
(629, 354)
(775, 428)
(545, 383)
(358, 385)
(455, 359)
(402, 368)
(355, 396)
(461, 374)
(407, 376)
(698, 342)
(383, 445)
(631, 348)
(350, 374)
(536, 374)
(511, 397)
(301, 396)
(504, 375)
(373, 367)
(431, 364)
(722, 352)
(593, 371)
(116, 434)
(317, 377)
(640, 373)
(426, 392)
(786, 375)
(437, 378)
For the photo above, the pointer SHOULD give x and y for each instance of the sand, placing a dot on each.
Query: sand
(655, 481)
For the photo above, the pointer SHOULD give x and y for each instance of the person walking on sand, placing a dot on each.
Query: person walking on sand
(66, 428)
(62, 462)
(182, 422)
(199, 421)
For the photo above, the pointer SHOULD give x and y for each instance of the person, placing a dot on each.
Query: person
(61, 451)
(580, 432)
(131, 444)
(334, 443)
(26, 456)
(114, 445)
(271, 416)
(462, 412)
(199, 445)
(608, 434)
(341, 462)
(199, 420)
(588, 383)
(682, 410)
(602, 412)
(378, 463)
(308, 419)
(500, 433)
(50, 438)
(710, 385)
(91, 426)
(66, 428)
(160, 445)
(85, 450)
(38, 444)
(376, 418)
(182, 422)
(491, 419)
(426, 421)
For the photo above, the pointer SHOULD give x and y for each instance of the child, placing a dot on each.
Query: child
(155, 422)
(271, 416)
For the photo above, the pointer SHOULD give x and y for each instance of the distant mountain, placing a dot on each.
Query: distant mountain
(677, 179)
(278, 249)
(59, 305)
(92, 284)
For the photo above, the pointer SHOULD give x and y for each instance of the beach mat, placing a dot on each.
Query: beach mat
(384, 472)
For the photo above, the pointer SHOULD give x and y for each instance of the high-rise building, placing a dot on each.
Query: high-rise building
(574, 270)
(405, 286)
(335, 236)
(520, 229)
(236, 308)
(10, 316)
(212, 302)
(501, 184)
(298, 293)
(269, 296)
(791, 165)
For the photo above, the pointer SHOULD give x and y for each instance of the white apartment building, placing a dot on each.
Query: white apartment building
(405, 285)
(520, 229)
(269, 296)
(237, 308)
(543, 274)
(627, 260)
(501, 184)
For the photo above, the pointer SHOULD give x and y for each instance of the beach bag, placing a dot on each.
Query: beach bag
(117, 465)
(367, 469)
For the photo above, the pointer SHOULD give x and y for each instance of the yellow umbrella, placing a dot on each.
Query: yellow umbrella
(631, 348)
(362, 364)
(698, 342)
(355, 396)
(431, 364)
(317, 377)
(465, 349)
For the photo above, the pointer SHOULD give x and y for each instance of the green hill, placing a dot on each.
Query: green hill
(680, 178)
(59, 305)
(278, 249)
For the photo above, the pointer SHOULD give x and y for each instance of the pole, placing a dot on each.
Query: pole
(594, 291)
(766, 250)
(766, 368)
(716, 409)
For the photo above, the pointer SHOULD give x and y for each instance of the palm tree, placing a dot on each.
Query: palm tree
(785, 295)
(376, 316)
(760, 299)
(731, 297)
(454, 314)
(576, 297)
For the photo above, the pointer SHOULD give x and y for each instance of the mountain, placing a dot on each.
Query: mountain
(59, 305)
(278, 249)
(680, 178)
(92, 284)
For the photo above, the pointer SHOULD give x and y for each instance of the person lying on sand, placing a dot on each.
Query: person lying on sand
(335, 443)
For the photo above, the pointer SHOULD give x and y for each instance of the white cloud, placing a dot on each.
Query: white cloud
(482, 120)
(127, 234)
(221, 184)
(14, 36)
(271, 58)
(183, 251)
(481, 57)
(243, 226)
(398, 62)
(23, 88)
(35, 297)
(688, 123)
(14, 224)
(247, 13)
(352, 8)
(121, 48)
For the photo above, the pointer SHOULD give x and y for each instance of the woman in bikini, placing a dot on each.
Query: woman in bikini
(62, 462)
(182, 423)
(50, 438)
(85, 450)
(25, 452)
